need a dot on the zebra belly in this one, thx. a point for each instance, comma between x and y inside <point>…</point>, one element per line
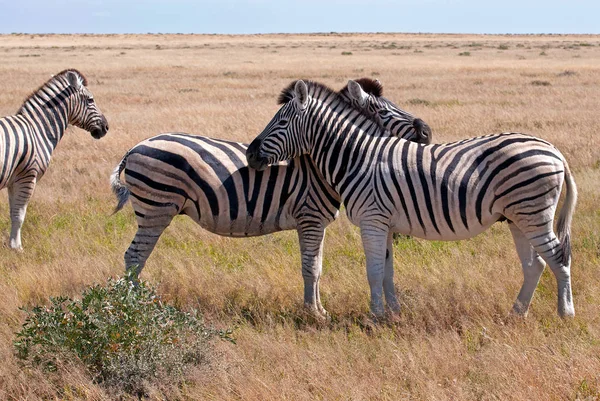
<point>245,226</point>
<point>445,234</point>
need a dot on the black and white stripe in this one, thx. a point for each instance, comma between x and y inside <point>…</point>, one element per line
<point>28,138</point>
<point>209,180</point>
<point>444,192</point>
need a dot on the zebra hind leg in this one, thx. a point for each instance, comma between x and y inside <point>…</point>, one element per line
<point>533,267</point>
<point>150,228</point>
<point>19,194</point>
<point>549,248</point>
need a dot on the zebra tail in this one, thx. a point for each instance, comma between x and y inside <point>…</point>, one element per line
<point>565,216</point>
<point>119,189</point>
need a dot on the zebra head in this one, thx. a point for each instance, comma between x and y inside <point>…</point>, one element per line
<point>83,111</point>
<point>282,138</point>
<point>366,95</point>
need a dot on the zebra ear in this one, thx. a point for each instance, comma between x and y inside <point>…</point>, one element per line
<point>357,93</point>
<point>74,80</point>
<point>301,94</point>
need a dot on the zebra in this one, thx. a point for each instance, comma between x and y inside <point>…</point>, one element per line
<point>28,138</point>
<point>208,180</point>
<point>447,191</point>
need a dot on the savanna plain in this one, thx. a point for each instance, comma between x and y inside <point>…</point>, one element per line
<point>454,338</point>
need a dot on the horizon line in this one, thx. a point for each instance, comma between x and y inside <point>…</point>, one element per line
<point>301,33</point>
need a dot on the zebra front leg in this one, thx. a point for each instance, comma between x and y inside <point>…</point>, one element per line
<point>533,267</point>
<point>19,194</point>
<point>375,240</point>
<point>388,279</point>
<point>311,239</point>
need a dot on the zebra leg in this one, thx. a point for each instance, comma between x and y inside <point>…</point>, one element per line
<point>19,194</point>
<point>388,278</point>
<point>150,228</point>
<point>533,266</point>
<point>549,248</point>
<point>375,240</point>
<point>311,248</point>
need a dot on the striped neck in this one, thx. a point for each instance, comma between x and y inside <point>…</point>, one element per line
<point>49,109</point>
<point>336,133</point>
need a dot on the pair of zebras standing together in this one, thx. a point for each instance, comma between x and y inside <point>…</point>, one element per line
<point>353,146</point>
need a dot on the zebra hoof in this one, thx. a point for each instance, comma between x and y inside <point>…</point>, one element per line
<point>567,312</point>
<point>16,247</point>
<point>519,309</point>
<point>317,313</point>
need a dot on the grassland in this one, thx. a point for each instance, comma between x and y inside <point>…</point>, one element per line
<point>454,339</point>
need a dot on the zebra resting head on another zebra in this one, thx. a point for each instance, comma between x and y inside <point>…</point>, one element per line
<point>28,138</point>
<point>367,94</point>
<point>448,191</point>
<point>209,180</point>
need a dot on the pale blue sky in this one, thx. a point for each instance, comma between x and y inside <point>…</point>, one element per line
<point>271,16</point>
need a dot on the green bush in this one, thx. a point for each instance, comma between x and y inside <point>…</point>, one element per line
<point>124,334</point>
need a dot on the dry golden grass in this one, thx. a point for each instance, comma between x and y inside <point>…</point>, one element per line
<point>453,341</point>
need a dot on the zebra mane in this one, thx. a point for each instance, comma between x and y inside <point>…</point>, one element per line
<point>371,86</point>
<point>55,77</point>
<point>287,93</point>
<point>322,91</point>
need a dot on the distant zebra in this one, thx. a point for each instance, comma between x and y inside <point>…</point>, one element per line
<point>440,192</point>
<point>28,138</point>
<point>209,180</point>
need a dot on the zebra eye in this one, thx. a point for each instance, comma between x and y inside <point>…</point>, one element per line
<point>90,100</point>
<point>283,123</point>
<point>385,114</point>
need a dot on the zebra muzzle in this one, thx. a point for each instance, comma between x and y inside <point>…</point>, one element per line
<point>423,131</point>
<point>99,130</point>
<point>255,160</point>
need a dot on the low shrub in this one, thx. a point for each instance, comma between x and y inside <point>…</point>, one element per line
<point>124,334</point>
